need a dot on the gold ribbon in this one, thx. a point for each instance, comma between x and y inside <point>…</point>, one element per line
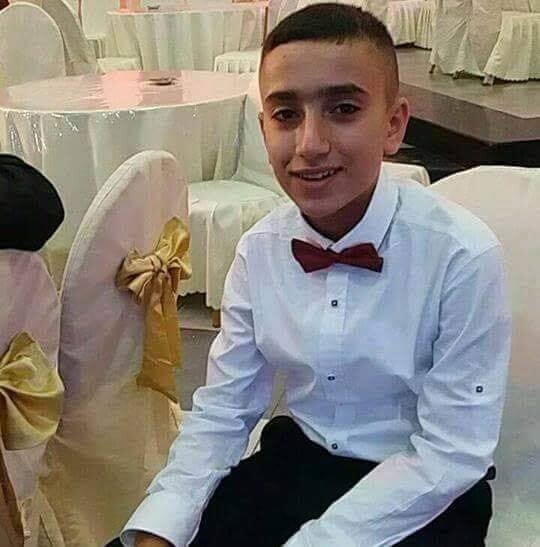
<point>154,280</point>
<point>30,405</point>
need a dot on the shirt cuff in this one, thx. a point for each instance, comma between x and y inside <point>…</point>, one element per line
<point>163,514</point>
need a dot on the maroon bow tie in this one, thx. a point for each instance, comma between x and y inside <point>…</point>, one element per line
<point>313,258</point>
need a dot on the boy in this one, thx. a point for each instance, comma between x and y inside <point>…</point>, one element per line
<point>385,305</point>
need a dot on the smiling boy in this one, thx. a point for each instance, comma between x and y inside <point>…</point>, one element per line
<point>384,304</point>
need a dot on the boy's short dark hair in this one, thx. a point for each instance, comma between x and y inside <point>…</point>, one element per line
<point>337,23</point>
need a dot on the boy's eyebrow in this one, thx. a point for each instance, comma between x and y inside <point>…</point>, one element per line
<point>324,92</point>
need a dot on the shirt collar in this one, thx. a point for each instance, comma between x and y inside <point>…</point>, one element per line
<point>371,229</point>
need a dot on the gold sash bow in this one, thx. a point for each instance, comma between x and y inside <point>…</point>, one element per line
<point>154,280</point>
<point>30,405</point>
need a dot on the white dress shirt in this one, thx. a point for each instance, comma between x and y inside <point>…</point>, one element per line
<point>406,367</point>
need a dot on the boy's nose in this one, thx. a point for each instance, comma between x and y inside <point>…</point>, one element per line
<point>312,137</point>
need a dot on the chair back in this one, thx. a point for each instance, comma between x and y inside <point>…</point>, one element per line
<point>507,199</point>
<point>79,54</point>
<point>94,17</point>
<point>29,303</point>
<point>114,436</point>
<point>31,46</point>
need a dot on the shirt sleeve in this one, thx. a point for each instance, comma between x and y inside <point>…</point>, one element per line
<point>215,434</point>
<point>459,411</point>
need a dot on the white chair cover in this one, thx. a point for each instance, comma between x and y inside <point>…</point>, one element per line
<point>424,25</point>
<point>402,20</point>
<point>248,60</point>
<point>465,32</point>
<point>114,436</point>
<point>508,200</point>
<point>28,302</point>
<point>222,210</point>
<point>94,17</point>
<point>31,46</point>
<point>516,55</point>
<point>238,62</point>
<point>80,56</point>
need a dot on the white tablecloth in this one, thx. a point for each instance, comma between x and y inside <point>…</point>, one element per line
<point>188,36</point>
<point>78,130</point>
<point>516,55</point>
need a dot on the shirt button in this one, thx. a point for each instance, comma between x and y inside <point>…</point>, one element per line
<point>334,446</point>
<point>334,303</point>
<point>331,377</point>
<point>479,389</point>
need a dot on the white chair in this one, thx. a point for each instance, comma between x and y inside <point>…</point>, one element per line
<point>248,60</point>
<point>114,436</point>
<point>507,199</point>
<point>79,53</point>
<point>222,210</point>
<point>402,20</point>
<point>28,302</point>
<point>424,25</point>
<point>516,53</point>
<point>31,46</point>
<point>465,32</point>
<point>94,21</point>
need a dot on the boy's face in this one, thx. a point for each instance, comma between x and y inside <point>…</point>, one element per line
<point>327,122</point>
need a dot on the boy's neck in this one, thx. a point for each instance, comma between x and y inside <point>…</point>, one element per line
<point>340,223</point>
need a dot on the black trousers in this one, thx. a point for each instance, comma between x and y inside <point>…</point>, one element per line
<point>268,496</point>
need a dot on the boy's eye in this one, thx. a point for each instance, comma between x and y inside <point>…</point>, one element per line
<point>284,115</point>
<point>346,108</point>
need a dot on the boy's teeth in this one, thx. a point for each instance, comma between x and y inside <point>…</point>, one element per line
<point>319,176</point>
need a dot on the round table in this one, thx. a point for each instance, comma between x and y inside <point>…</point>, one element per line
<point>185,36</point>
<point>77,130</point>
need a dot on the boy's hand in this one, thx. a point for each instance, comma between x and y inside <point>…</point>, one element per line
<point>142,539</point>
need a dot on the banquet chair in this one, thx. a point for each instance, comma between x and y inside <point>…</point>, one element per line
<point>79,53</point>
<point>248,60</point>
<point>29,304</point>
<point>115,432</point>
<point>516,54</point>
<point>424,25</point>
<point>94,22</point>
<point>402,20</point>
<point>464,34</point>
<point>222,210</point>
<point>507,199</point>
<point>30,45</point>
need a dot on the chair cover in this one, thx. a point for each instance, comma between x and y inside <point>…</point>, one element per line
<point>508,200</point>
<point>31,46</point>
<point>29,302</point>
<point>94,17</point>
<point>424,25</point>
<point>222,210</point>
<point>516,55</point>
<point>465,32</point>
<point>79,54</point>
<point>402,20</point>
<point>238,62</point>
<point>114,436</point>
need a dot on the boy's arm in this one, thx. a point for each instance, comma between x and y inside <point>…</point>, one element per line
<point>459,411</point>
<point>215,434</point>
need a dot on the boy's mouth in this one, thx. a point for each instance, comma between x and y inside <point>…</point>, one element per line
<point>316,174</point>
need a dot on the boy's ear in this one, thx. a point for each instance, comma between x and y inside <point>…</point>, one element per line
<point>397,125</point>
